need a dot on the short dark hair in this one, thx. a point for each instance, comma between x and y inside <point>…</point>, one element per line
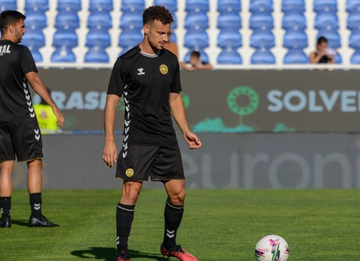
<point>321,40</point>
<point>10,17</point>
<point>159,13</point>
<point>195,54</point>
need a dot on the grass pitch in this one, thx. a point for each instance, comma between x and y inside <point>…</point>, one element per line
<point>218,225</point>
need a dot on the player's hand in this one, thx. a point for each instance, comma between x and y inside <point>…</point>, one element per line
<point>110,154</point>
<point>60,117</point>
<point>193,140</point>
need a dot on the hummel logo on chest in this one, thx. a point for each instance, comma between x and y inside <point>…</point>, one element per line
<point>141,71</point>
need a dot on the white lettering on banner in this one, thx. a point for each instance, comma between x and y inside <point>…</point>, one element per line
<point>92,100</point>
<point>321,161</point>
<point>314,101</point>
<point>309,172</point>
<point>348,101</point>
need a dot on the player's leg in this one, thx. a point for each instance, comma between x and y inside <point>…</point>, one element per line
<point>125,216</point>
<point>174,210</point>
<point>6,170</point>
<point>37,219</point>
<point>7,159</point>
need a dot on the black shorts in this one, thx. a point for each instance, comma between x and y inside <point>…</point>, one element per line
<point>140,162</point>
<point>21,138</point>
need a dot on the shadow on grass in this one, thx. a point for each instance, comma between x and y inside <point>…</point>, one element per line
<point>108,254</point>
<point>20,222</point>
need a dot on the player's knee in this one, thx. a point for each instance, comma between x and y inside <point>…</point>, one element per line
<point>130,196</point>
<point>178,198</point>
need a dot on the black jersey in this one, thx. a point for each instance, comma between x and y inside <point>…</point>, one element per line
<point>146,81</point>
<point>15,99</point>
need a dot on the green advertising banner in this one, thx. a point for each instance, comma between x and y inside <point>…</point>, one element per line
<point>226,101</point>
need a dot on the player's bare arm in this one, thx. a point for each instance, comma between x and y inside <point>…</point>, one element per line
<point>110,151</point>
<point>178,111</point>
<point>38,86</point>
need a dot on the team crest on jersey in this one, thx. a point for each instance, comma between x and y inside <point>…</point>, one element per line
<point>164,69</point>
<point>129,172</point>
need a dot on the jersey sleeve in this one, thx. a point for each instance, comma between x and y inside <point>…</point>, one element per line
<point>176,86</point>
<point>27,61</point>
<point>117,79</point>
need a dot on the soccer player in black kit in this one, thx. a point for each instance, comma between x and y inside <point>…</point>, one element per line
<point>148,77</point>
<point>20,136</point>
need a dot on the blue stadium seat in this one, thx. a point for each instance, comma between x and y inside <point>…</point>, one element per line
<point>196,39</point>
<point>261,6</point>
<point>293,5</point>
<point>100,38</point>
<point>262,39</point>
<point>99,20</point>
<point>173,37</point>
<point>133,6</point>
<point>96,55</point>
<point>229,20</point>
<point>175,23</point>
<point>101,5</point>
<point>354,40</point>
<point>353,6</point>
<point>229,56</point>
<point>69,5</point>
<point>196,20</point>
<point>36,54</point>
<point>130,38</point>
<point>34,38</point>
<point>8,5</point>
<point>261,21</point>
<point>325,6</point>
<point>171,5</point>
<point>36,20</point>
<point>295,39</point>
<point>332,36</point>
<point>197,6</point>
<point>65,38</point>
<point>63,55</point>
<point>229,38</point>
<point>229,6</point>
<point>263,56</point>
<point>353,21</point>
<point>338,59</point>
<point>293,21</point>
<point>203,56</point>
<point>67,20</point>
<point>296,56</point>
<point>355,58</point>
<point>37,5</point>
<point>326,20</point>
<point>131,20</point>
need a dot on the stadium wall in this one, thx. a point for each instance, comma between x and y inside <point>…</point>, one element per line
<point>270,161</point>
<point>261,129</point>
<point>227,101</point>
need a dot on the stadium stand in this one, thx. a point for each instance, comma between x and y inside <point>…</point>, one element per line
<point>226,32</point>
<point>229,38</point>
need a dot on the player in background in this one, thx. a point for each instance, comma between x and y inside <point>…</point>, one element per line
<point>148,77</point>
<point>20,136</point>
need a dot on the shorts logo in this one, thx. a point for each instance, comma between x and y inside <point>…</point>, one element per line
<point>129,173</point>
<point>164,69</point>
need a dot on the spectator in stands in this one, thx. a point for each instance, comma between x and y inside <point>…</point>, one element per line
<point>195,63</point>
<point>322,54</point>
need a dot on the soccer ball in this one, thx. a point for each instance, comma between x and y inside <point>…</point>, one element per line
<point>272,247</point>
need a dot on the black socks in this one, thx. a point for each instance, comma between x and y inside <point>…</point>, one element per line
<point>35,203</point>
<point>5,205</point>
<point>124,219</point>
<point>173,216</point>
